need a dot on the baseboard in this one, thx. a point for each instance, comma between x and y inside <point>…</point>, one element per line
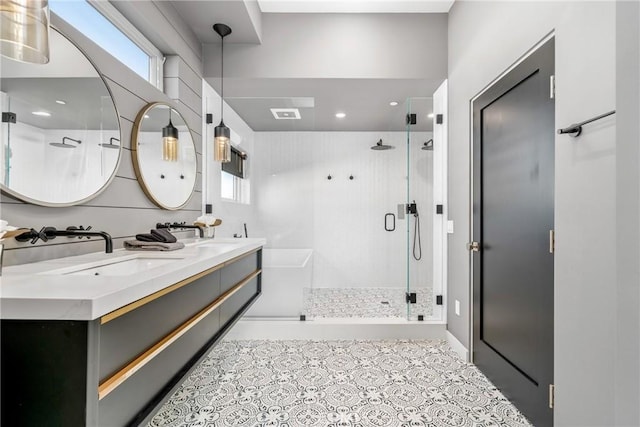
<point>457,346</point>
<point>333,330</point>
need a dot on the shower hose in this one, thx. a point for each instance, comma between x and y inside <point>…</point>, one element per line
<point>417,243</point>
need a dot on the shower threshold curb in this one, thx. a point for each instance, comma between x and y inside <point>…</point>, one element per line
<point>337,329</point>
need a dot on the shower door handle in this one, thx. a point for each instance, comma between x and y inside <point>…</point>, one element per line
<point>386,222</point>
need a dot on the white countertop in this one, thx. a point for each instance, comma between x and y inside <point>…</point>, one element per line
<point>42,291</point>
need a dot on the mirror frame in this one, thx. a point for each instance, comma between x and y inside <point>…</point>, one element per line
<point>135,160</point>
<point>6,190</point>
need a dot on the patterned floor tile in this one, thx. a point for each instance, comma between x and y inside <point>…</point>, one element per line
<point>367,303</point>
<point>336,384</point>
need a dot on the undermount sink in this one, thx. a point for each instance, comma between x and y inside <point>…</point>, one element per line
<point>117,267</point>
<point>217,244</point>
<point>214,243</point>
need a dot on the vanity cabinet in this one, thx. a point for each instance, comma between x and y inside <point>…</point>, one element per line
<point>116,369</point>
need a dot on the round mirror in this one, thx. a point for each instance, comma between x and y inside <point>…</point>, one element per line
<point>60,129</point>
<point>164,156</point>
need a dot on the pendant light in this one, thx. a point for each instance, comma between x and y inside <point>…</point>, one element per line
<point>24,30</point>
<point>221,133</point>
<point>170,142</point>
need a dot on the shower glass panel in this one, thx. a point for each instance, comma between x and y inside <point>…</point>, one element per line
<point>287,173</point>
<point>419,198</point>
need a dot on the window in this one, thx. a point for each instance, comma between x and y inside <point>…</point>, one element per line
<point>234,183</point>
<point>110,30</point>
<point>236,166</point>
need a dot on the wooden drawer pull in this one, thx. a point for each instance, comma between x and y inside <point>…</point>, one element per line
<point>111,383</point>
<point>154,296</point>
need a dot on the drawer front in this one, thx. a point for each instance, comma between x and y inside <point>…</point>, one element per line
<point>238,300</point>
<point>120,406</point>
<point>236,272</point>
<point>124,338</point>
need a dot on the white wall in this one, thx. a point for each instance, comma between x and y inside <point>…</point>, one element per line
<point>233,214</point>
<point>627,352</point>
<point>485,38</point>
<point>342,220</point>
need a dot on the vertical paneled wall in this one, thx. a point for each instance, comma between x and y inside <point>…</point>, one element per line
<point>343,219</point>
<point>122,209</point>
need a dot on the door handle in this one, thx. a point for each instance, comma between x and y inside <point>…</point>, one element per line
<point>386,224</point>
<point>474,246</point>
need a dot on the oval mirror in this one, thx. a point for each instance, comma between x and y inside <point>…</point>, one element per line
<point>164,156</point>
<point>60,128</point>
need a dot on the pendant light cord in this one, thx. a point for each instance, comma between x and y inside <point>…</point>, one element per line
<point>222,81</point>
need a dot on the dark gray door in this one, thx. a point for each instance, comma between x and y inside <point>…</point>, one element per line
<point>513,171</point>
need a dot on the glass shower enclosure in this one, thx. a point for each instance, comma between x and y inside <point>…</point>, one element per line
<point>379,264</point>
<point>349,219</point>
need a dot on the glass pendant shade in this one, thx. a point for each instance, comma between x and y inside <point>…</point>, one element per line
<point>222,143</point>
<point>170,143</point>
<point>221,133</point>
<point>24,30</point>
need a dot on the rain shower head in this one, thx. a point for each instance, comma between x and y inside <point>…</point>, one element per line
<point>63,144</point>
<point>110,144</point>
<point>380,146</point>
<point>428,146</point>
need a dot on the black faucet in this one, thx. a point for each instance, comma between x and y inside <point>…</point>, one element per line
<point>182,225</point>
<point>48,233</point>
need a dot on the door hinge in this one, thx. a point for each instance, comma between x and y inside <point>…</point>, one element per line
<point>411,298</point>
<point>439,209</point>
<point>552,241</point>
<point>412,119</point>
<point>552,87</point>
<point>552,395</point>
<point>439,119</point>
<point>8,117</point>
<point>474,247</point>
<point>438,299</point>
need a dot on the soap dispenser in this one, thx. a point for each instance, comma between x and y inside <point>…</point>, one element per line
<point>209,219</point>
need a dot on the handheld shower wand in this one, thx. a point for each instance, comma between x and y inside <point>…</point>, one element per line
<point>417,241</point>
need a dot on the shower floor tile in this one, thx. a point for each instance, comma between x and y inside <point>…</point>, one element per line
<point>336,383</point>
<point>325,303</point>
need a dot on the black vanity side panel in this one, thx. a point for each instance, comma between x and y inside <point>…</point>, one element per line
<point>44,373</point>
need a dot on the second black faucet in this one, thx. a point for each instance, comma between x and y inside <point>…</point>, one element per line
<point>182,225</point>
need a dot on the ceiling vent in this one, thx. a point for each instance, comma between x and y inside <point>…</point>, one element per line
<point>285,113</point>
